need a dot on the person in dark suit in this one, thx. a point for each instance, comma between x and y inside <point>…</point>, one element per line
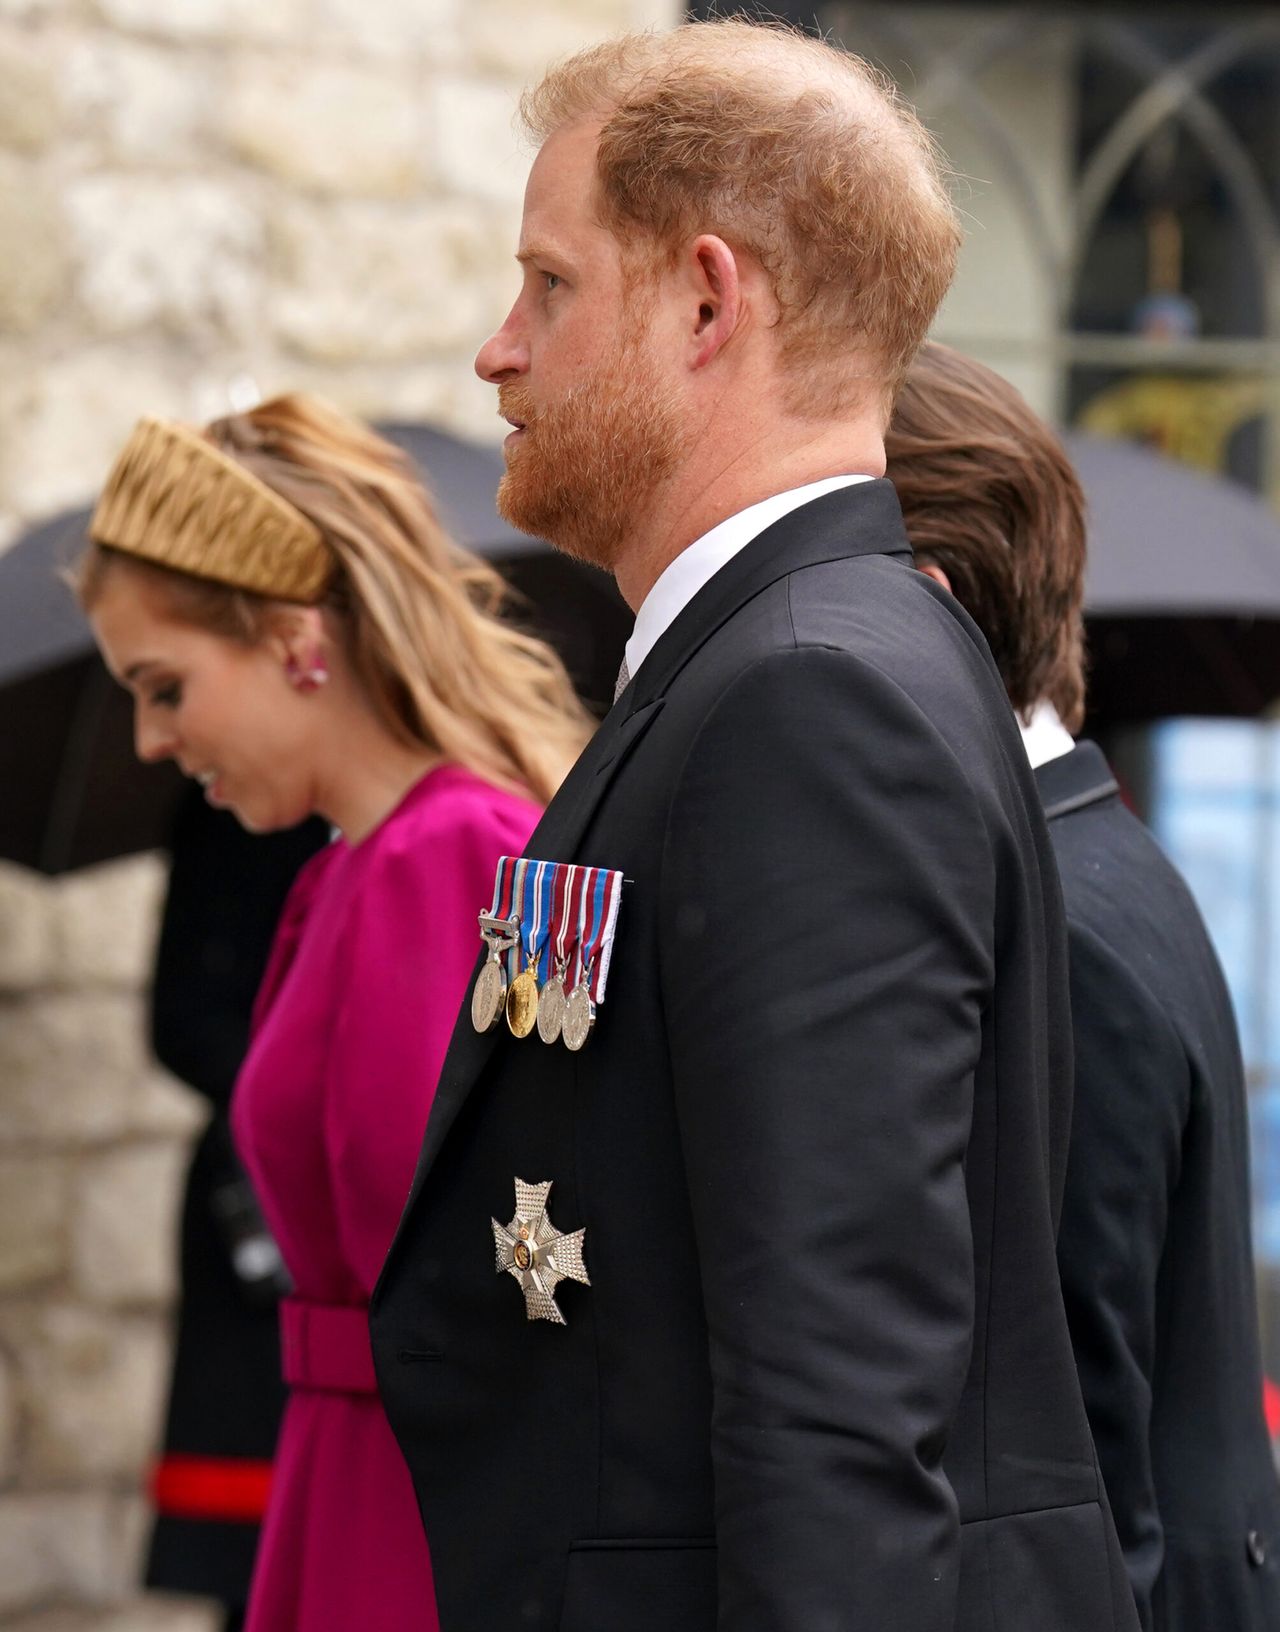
<point>209,1487</point>
<point>820,1379</point>
<point>1154,1247</point>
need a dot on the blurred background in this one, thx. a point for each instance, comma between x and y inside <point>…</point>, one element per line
<point>202,201</point>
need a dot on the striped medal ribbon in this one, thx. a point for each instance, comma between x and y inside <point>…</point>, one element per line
<point>500,932</point>
<point>566,890</point>
<point>597,924</point>
<point>522,994</point>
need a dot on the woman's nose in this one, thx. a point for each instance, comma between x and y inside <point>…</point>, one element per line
<point>153,738</point>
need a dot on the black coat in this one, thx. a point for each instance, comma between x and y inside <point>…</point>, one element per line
<point>821,1380</point>
<point>226,890</point>
<point>1157,1267</point>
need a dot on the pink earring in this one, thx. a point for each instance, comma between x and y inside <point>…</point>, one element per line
<point>310,678</point>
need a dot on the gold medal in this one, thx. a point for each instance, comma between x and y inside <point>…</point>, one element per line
<point>522,1002</point>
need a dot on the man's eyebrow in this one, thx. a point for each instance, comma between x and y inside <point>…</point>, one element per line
<point>537,252</point>
<point>136,669</point>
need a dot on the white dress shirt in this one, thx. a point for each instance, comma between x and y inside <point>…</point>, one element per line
<point>699,563</point>
<point>1044,736</point>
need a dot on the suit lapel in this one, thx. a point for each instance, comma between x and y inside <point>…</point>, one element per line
<point>555,838</point>
<point>861,520</point>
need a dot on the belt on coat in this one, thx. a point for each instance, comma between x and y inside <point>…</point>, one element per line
<point>325,1346</point>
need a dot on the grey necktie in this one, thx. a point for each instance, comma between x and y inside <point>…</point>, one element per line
<point>623,680</point>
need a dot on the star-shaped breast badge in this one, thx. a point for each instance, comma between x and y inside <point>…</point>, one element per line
<point>535,1252</point>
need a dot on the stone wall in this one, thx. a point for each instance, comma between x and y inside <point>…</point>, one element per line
<point>197,197</point>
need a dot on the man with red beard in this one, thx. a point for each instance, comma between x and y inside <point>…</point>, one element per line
<point>795,1357</point>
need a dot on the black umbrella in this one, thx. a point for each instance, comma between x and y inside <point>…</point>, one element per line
<point>1182,595</point>
<point>71,790</point>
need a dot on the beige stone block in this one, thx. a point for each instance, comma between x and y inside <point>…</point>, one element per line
<point>474,145</point>
<point>70,1066</point>
<point>61,426</point>
<point>125,1229</point>
<point>33,1208</point>
<point>55,1544</point>
<point>195,20</point>
<point>154,1612</point>
<point>390,28</point>
<point>339,128</point>
<point>163,1107</point>
<point>92,1388</point>
<point>27,905</point>
<point>106,922</point>
<point>378,282</point>
<point>136,102</point>
<point>31,104</point>
<point>33,283</point>
<point>180,252</point>
<point>8,1421</point>
<point>500,40</point>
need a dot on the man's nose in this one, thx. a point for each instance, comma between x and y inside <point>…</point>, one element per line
<point>504,354</point>
<point>153,739</point>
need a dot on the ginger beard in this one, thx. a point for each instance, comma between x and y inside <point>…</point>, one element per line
<point>588,465</point>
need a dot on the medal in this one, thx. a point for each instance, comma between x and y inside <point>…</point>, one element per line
<point>500,931</point>
<point>598,919</point>
<point>579,1017</point>
<point>535,1253</point>
<point>551,1000</point>
<point>522,997</point>
<point>551,1007</point>
<point>562,917</point>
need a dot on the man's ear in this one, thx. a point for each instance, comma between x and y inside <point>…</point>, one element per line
<point>936,573</point>
<point>712,276</point>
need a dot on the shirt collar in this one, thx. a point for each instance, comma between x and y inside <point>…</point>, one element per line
<point>1044,736</point>
<point>696,565</point>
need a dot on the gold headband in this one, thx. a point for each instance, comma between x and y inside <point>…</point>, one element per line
<point>176,499</point>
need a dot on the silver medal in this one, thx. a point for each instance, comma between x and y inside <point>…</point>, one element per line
<point>551,1007</point>
<point>579,1018</point>
<point>489,994</point>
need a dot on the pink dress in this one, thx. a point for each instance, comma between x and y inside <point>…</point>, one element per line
<point>369,967</point>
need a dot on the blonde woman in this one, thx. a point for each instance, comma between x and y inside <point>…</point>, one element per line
<point>300,636</point>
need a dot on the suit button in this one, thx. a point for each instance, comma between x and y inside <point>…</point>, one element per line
<point>1256,1549</point>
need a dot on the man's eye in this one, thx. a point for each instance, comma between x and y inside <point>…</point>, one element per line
<point>168,696</point>
<point>552,280</point>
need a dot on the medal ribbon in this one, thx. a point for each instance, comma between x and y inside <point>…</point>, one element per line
<point>535,914</point>
<point>582,890</point>
<point>502,891</point>
<point>561,888</point>
<point>519,874</point>
<point>601,950</point>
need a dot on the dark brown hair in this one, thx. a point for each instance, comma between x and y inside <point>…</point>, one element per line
<point>990,496</point>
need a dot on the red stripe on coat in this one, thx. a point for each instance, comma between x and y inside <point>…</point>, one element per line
<point>207,1487</point>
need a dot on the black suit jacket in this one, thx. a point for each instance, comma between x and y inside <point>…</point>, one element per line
<point>821,1380</point>
<point>1154,1250</point>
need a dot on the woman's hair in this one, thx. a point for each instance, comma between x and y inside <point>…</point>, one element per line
<point>989,495</point>
<point>418,617</point>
